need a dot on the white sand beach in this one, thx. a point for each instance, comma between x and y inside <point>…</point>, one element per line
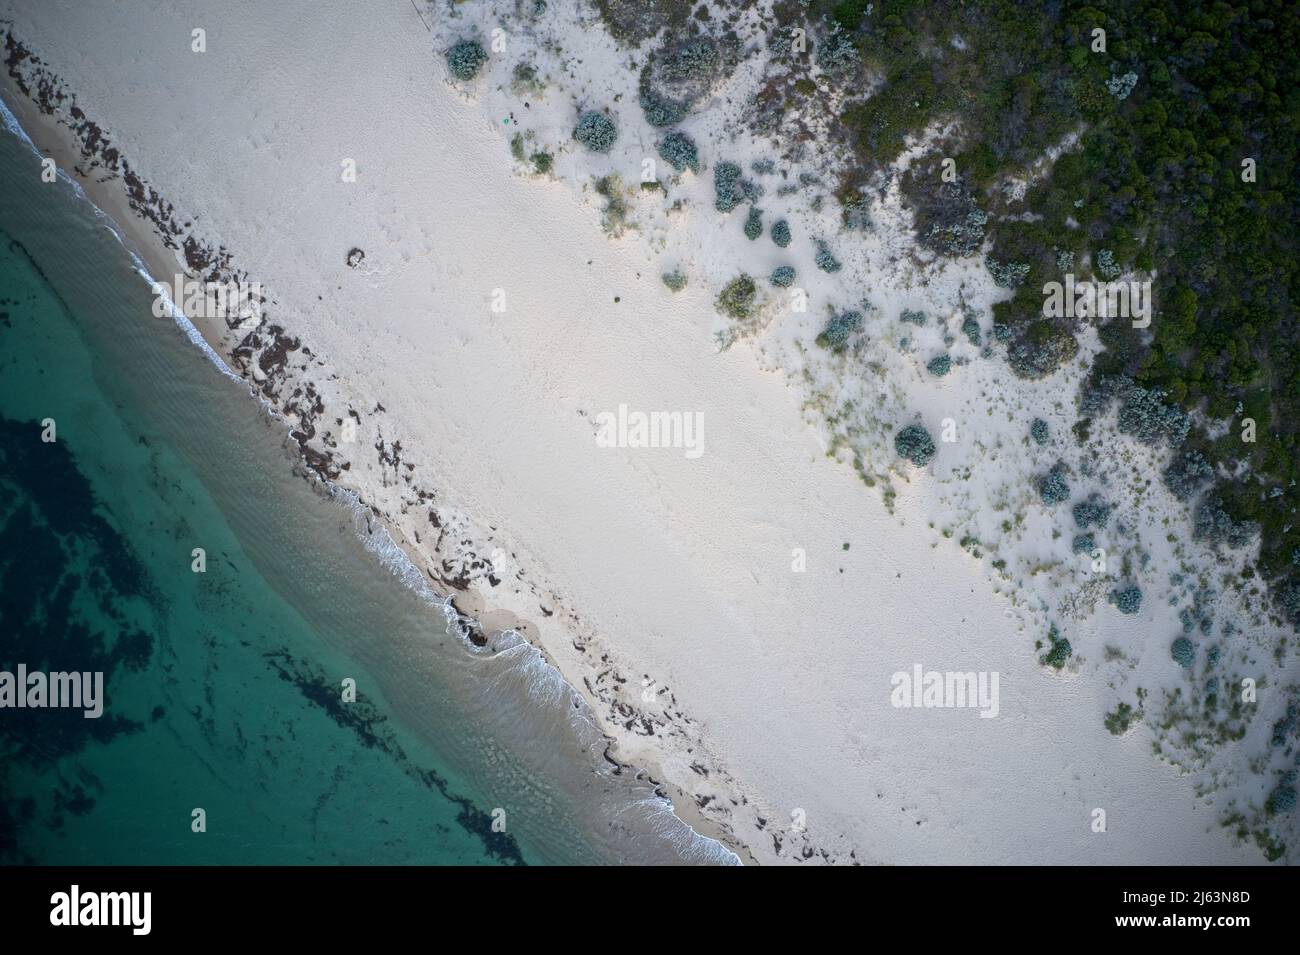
<point>664,586</point>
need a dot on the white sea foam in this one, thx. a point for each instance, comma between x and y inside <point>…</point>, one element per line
<point>181,319</point>
<point>545,687</point>
<point>15,127</point>
<point>178,316</point>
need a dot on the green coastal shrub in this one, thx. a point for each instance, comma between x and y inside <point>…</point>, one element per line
<point>950,223</point>
<point>1008,274</point>
<point>596,132</point>
<point>1285,727</point>
<point>697,58</point>
<point>1035,350</point>
<point>524,79</point>
<point>680,152</point>
<point>1121,86</point>
<point>1040,432</point>
<point>1091,511</point>
<point>781,233</point>
<point>753,224</point>
<point>1283,798</point>
<point>610,187</point>
<point>1183,651</point>
<point>783,276</point>
<point>675,280</point>
<point>1059,650</point>
<point>1288,598</point>
<point>825,260</point>
<point>1188,474</point>
<point>737,297</point>
<point>1119,721</point>
<point>1127,599</point>
<point>1106,267</point>
<point>836,54</point>
<point>1052,486</point>
<point>915,444</point>
<point>730,190</point>
<point>1146,414</point>
<point>839,329</point>
<point>660,110</point>
<point>1211,522</point>
<point>466,58</point>
<point>856,211</point>
<point>939,365</point>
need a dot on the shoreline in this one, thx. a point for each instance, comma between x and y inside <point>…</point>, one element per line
<point>606,704</point>
<point>464,610</point>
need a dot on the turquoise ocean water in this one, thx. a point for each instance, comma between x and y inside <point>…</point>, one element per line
<point>224,689</point>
